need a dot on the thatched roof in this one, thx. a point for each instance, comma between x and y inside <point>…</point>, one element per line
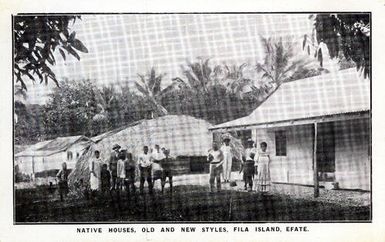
<point>182,135</point>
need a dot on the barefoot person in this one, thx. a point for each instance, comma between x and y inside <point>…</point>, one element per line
<point>105,180</point>
<point>167,169</point>
<point>248,165</point>
<point>157,159</point>
<point>144,161</point>
<point>130,168</point>
<point>121,172</point>
<point>215,158</point>
<point>263,161</point>
<point>114,164</point>
<point>227,159</point>
<point>62,177</point>
<point>95,169</point>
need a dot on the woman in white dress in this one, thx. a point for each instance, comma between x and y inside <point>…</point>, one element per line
<point>95,168</point>
<point>263,162</point>
<point>227,159</point>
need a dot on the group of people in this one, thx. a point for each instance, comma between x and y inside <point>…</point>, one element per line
<point>255,165</point>
<point>121,170</point>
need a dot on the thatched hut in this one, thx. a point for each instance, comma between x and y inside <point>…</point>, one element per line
<point>187,138</point>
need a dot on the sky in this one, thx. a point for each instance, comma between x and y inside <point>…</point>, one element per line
<point>121,46</point>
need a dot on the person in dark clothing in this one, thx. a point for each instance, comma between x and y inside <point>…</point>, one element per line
<point>114,165</point>
<point>105,178</point>
<point>167,169</point>
<point>62,177</point>
<point>130,169</point>
<point>248,165</point>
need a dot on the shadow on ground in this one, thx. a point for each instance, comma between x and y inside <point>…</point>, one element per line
<point>185,203</point>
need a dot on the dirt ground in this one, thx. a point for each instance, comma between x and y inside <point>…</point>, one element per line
<point>195,203</point>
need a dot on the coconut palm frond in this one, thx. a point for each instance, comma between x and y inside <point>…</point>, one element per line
<point>156,89</point>
<point>142,89</point>
<point>150,87</point>
<point>151,79</point>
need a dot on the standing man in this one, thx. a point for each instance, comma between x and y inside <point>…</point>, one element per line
<point>145,162</point>
<point>215,158</point>
<point>227,159</point>
<point>114,164</point>
<point>167,169</point>
<point>62,177</point>
<point>248,165</point>
<point>157,159</point>
<point>130,168</point>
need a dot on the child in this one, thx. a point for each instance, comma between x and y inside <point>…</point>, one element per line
<point>105,179</point>
<point>62,177</point>
<point>263,161</point>
<point>130,168</point>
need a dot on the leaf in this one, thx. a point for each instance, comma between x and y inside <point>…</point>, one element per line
<point>141,89</point>
<point>72,36</point>
<point>73,52</point>
<point>304,42</point>
<point>30,76</point>
<point>320,58</point>
<point>62,54</point>
<point>79,46</point>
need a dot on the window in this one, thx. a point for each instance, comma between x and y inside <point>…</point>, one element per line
<point>280,143</point>
<point>77,154</point>
<point>69,155</point>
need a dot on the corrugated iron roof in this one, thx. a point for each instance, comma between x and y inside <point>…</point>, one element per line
<point>341,92</point>
<point>63,143</point>
<point>49,147</point>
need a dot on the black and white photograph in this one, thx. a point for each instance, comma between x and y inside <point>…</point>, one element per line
<point>204,117</point>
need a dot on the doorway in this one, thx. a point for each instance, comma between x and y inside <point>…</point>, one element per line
<point>326,151</point>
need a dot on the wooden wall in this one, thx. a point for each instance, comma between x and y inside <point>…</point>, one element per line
<point>351,158</point>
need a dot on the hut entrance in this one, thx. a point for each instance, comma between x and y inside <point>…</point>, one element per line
<point>326,151</point>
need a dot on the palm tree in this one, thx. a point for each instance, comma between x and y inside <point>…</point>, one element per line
<point>104,98</point>
<point>280,64</point>
<point>150,87</point>
<point>199,76</point>
<point>233,78</point>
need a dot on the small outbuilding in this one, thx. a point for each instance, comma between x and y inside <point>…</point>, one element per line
<point>50,154</point>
